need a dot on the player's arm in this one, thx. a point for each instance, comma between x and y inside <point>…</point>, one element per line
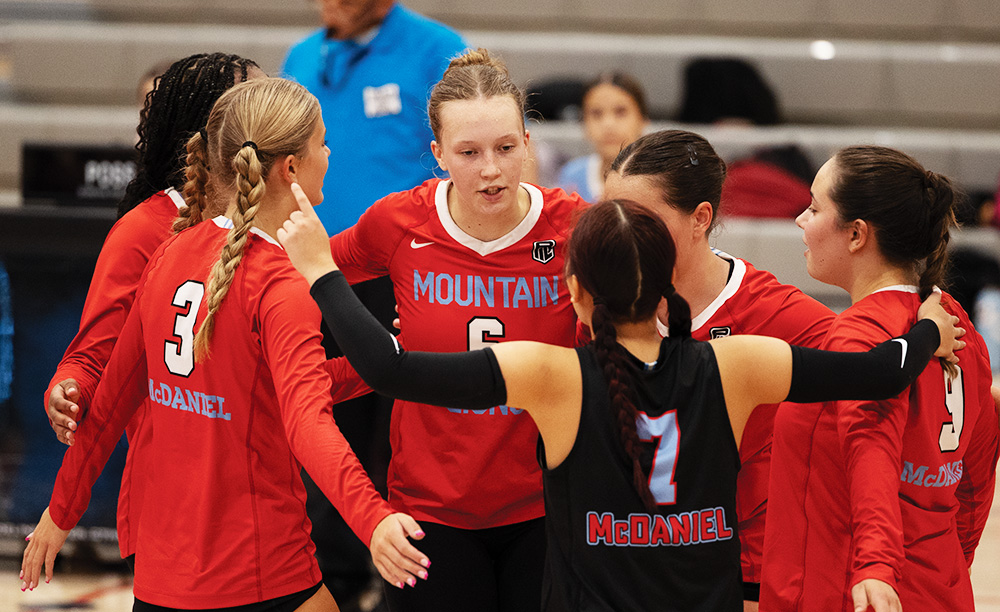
<point>291,344</point>
<point>117,274</point>
<point>120,393</point>
<point>976,488</point>
<point>758,370</point>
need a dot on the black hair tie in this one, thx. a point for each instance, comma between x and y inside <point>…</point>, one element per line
<point>249,143</point>
<point>204,134</point>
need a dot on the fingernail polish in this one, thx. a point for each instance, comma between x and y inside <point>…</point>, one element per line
<point>21,575</point>
<point>422,574</point>
<point>411,581</point>
<point>425,562</point>
<point>419,534</point>
<point>23,587</point>
<point>399,585</point>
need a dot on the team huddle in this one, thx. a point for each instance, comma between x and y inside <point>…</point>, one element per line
<point>594,409</point>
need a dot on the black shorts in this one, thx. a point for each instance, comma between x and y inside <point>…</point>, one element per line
<point>498,569</point>
<point>285,603</point>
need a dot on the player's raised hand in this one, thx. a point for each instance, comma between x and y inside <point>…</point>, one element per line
<point>395,558</point>
<point>63,409</point>
<point>947,326</point>
<point>305,239</point>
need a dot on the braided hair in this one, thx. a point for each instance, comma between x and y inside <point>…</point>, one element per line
<point>623,256</point>
<point>251,126</point>
<point>177,107</point>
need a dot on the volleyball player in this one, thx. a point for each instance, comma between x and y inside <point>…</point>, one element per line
<point>177,107</point>
<point>678,175</point>
<point>474,260</point>
<point>896,494</point>
<point>235,408</point>
<point>639,432</point>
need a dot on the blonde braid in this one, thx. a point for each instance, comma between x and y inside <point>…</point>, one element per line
<point>250,193</point>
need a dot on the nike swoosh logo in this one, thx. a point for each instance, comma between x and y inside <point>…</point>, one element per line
<point>419,245</point>
<point>902,360</point>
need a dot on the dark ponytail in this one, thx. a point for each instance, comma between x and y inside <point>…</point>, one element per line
<point>623,256</point>
<point>911,210</point>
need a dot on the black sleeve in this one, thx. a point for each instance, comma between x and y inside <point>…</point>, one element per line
<point>878,374</point>
<point>470,380</point>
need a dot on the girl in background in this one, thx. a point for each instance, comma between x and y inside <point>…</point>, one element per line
<point>614,114</point>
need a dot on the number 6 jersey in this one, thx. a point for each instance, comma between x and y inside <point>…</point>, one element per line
<point>468,469</point>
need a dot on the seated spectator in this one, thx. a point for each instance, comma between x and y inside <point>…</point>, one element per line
<point>614,114</point>
<point>772,182</point>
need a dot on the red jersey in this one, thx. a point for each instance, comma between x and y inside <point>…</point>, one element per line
<point>468,469</point>
<point>754,302</point>
<point>901,498</point>
<point>227,435</point>
<point>127,249</point>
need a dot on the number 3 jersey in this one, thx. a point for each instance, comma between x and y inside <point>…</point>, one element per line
<point>902,498</point>
<point>224,521</point>
<point>471,469</point>
<point>606,551</point>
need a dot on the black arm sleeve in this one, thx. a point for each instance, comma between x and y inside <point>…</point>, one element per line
<point>878,374</point>
<point>470,380</point>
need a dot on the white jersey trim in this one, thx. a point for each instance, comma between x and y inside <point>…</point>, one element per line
<point>177,198</point>
<point>732,286</point>
<point>226,223</point>
<point>485,248</point>
<point>903,288</point>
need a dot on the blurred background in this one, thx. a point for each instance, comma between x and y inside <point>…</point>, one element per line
<point>919,75</point>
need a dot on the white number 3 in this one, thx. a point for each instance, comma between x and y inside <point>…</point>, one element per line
<point>179,355</point>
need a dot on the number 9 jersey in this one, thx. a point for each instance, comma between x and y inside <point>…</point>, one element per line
<point>901,498</point>
<point>468,469</point>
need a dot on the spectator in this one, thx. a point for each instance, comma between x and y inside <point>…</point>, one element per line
<point>614,114</point>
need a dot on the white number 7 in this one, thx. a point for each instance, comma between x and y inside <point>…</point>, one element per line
<point>664,432</point>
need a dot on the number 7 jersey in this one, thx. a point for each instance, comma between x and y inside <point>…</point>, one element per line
<point>468,469</point>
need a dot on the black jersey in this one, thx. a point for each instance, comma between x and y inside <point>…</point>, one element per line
<point>605,551</point>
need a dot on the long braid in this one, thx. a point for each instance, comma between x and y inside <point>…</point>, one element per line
<point>195,189</point>
<point>177,107</point>
<point>250,192</point>
<point>611,358</point>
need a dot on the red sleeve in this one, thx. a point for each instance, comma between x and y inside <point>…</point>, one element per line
<point>291,344</point>
<point>362,252</point>
<point>127,249</point>
<point>347,384</point>
<point>975,489</point>
<point>872,448</point>
<point>121,391</point>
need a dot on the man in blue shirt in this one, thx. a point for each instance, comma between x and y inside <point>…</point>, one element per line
<point>372,66</point>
